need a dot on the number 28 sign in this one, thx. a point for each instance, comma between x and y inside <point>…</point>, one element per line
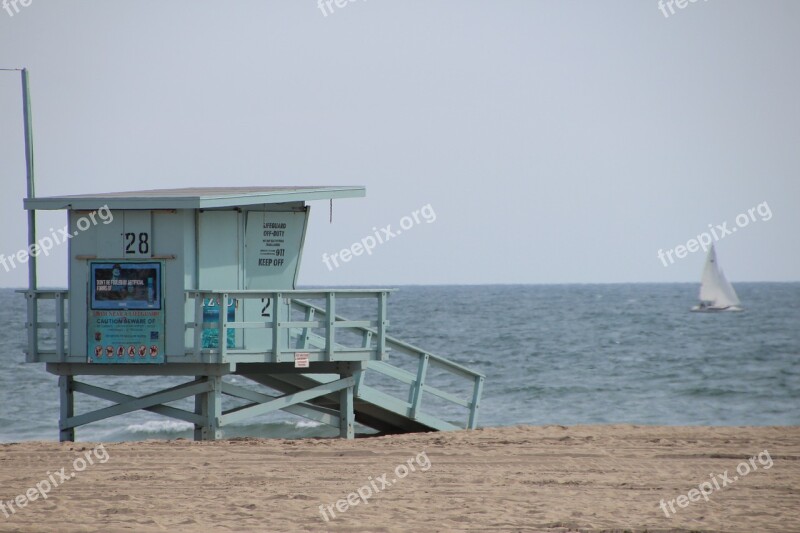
<point>137,243</point>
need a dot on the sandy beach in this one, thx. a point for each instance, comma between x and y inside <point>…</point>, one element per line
<point>552,478</point>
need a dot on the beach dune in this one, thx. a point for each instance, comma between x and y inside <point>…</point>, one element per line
<point>551,478</point>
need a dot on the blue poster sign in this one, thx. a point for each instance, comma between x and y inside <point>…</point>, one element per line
<point>126,316</point>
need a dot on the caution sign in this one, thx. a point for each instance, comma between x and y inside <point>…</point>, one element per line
<point>126,316</point>
<point>301,360</point>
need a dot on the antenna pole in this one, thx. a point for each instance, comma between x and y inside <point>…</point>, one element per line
<point>26,113</point>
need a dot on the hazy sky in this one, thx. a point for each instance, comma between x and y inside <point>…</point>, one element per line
<point>556,141</point>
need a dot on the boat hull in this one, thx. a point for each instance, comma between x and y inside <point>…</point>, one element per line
<point>711,309</point>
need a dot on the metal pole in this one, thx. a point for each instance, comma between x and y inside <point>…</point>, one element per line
<point>26,112</point>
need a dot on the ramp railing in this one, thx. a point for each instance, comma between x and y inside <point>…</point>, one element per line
<point>417,382</point>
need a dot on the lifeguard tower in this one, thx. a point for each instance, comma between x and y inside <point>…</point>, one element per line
<point>202,283</point>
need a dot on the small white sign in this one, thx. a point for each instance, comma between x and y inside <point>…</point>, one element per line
<point>301,360</point>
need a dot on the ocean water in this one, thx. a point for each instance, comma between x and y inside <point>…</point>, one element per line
<point>552,354</point>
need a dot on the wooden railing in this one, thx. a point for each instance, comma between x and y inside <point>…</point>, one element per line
<point>417,386</point>
<point>277,346</point>
<point>34,327</point>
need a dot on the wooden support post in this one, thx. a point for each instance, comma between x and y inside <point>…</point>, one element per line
<point>472,423</point>
<point>60,326</point>
<point>382,324</point>
<point>419,385</point>
<point>199,409</point>
<point>223,329</point>
<point>330,331</point>
<point>67,397</point>
<point>347,417</point>
<point>209,406</point>
<point>277,330</point>
<point>32,325</point>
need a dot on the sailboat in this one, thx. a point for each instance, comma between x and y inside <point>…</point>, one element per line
<point>716,292</point>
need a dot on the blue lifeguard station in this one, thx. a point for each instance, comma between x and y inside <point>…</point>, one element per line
<point>202,283</point>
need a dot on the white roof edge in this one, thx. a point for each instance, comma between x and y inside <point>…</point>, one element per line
<point>214,199</point>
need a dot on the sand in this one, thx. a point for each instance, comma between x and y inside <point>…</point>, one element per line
<point>552,478</point>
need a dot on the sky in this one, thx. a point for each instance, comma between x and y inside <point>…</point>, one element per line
<point>555,141</point>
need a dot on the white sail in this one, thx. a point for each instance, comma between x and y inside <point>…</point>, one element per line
<point>714,287</point>
<point>730,298</point>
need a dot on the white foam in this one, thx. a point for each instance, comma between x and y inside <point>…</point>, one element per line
<point>307,424</point>
<point>160,426</point>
